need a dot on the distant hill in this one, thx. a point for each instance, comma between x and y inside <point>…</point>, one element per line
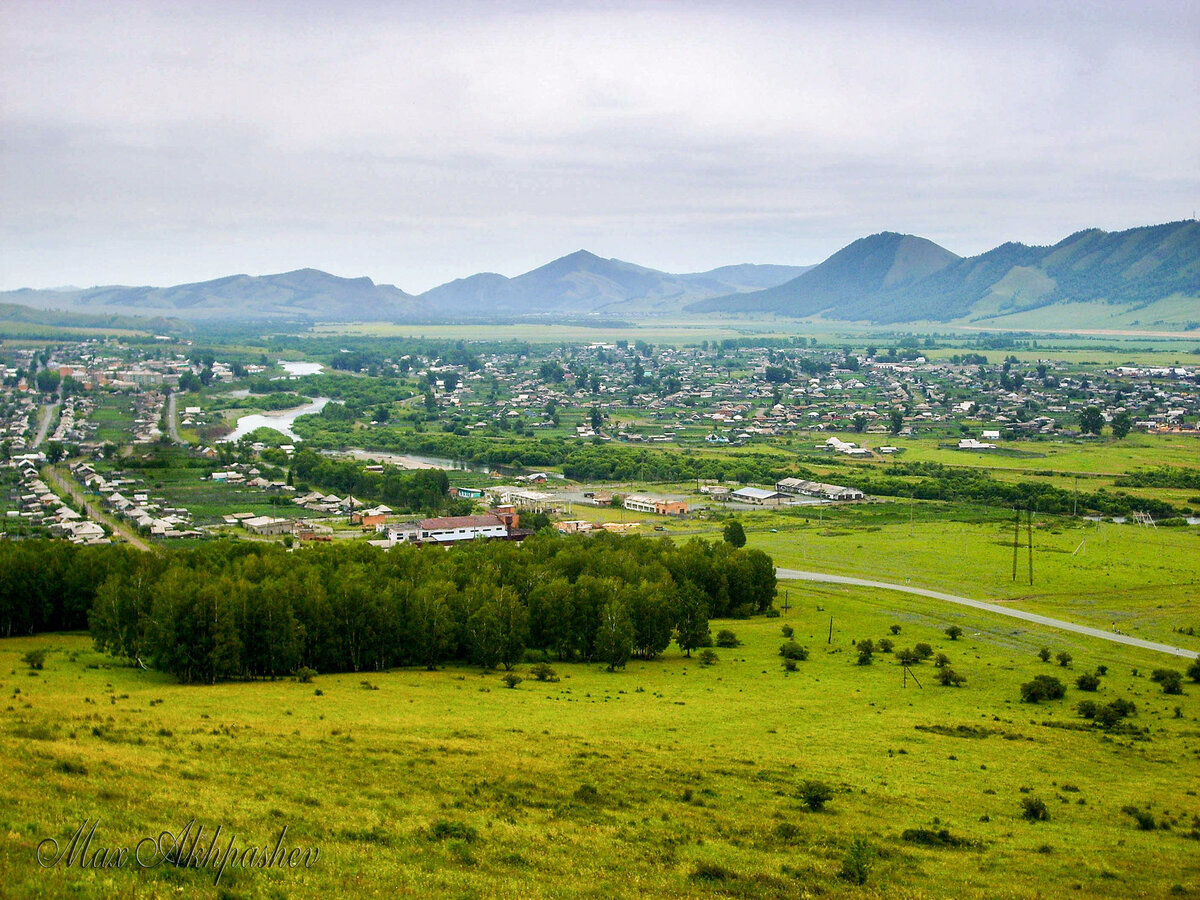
<point>49,319</point>
<point>583,282</point>
<point>1102,278</point>
<point>303,294</point>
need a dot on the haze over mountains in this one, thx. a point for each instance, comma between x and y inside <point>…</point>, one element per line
<point>1093,279</point>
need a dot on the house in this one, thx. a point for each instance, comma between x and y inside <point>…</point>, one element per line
<point>643,503</point>
<point>972,444</point>
<point>466,493</point>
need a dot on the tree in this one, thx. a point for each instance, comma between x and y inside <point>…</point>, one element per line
<point>859,423</point>
<point>896,420</point>
<point>1122,423</point>
<point>1091,420</point>
<point>947,677</point>
<point>954,632</point>
<point>54,451</point>
<point>614,639</point>
<point>691,618</point>
<point>734,534</point>
<point>815,794</point>
<point>513,619</point>
<point>1193,671</point>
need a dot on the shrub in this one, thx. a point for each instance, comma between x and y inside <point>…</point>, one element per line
<point>1033,809</point>
<point>941,660</point>
<point>1112,713</point>
<point>949,678</point>
<point>885,645</point>
<point>895,629</point>
<point>512,679</point>
<point>1143,817</point>
<point>1101,671</point>
<point>305,675</point>
<point>786,831</point>
<point>35,659</point>
<point>954,632</point>
<point>1170,679</point>
<point>709,871</point>
<point>789,665</point>
<point>456,831</point>
<point>927,837</point>
<point>1087,682</point>
<point>1044,654</point>
<point>856,867</point>
<point>587,793</point>
<point>1193,671</point>
<point>923,650</point>
<point>70,768</point>
<point>1064,658</point>
<point>708,658</point>
<point>787,631</point>
<point>1043,687</point>
<point>543,672</point>
<point>792,650</point>
<point>815,794</point>
<point>1087,708</point>
<point>726,638</point>
<point>865,657</point>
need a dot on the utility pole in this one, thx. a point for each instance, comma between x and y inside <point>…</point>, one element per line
<point>1016,539</point>
<point>1030,533</point>
<point>786,605</point>
<point>830,641</point>
<point>911,498</point>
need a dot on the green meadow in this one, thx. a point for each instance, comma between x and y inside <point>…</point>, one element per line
<point>669,778</point>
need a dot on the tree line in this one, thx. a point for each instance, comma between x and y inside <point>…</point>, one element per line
<point>248,610</point>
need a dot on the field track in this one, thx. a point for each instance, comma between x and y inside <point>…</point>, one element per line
<point>798,575</point>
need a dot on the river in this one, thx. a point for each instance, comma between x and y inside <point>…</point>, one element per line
<point>412,460</point>
<point>277,420</point>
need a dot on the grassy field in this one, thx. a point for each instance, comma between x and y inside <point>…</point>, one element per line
<point>209,500</point>
<point>113,416</point>
<point>667,779</point>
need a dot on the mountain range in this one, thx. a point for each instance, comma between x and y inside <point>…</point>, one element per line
<point>1092,276</point>
<point>1138,278</point>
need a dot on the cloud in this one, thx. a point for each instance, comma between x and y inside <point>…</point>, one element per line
<point>167,142</point>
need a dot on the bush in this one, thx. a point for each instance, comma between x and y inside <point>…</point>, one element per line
<point>543,672</point>
<point>35,659</point>
<point>789,665</point>
<point>792,650</point>
<point>856,867</point>
<point>1087,682</point>
<point>1033,809</point>
<point>1111,714</point>
<point>787,631</point>
<point>708,871</point>
<point>954,632</point>
<point>885,645</point>
<point>305,675</point>
<point>1064,658</point>
<point>1143,817</point>
<point>941,661</point>
<point>1193,671</point>
<point>1170,679</point>
<point>895,629</point>
<point>456,831</point>
<point>726,638</point>
<point>1043,687</point>
<point>1087,708</point>
<point>1044,654</point>
<point>512,679</point>
<point>923,650</point>
<point>949,678</point>
<point>708,658</point>
<point>815,794</point>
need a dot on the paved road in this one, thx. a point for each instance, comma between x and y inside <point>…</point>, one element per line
<point>797,575</point>
<point>172,423</point>
<point>64,485</point>
<point>44,426</point>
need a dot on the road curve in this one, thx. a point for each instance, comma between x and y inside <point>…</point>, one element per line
<point>797,575</point>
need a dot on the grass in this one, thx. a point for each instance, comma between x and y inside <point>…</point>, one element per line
<point>667,776</point>
<point>113,416</point>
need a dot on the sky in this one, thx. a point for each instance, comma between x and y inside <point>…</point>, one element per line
<point>167,142</point>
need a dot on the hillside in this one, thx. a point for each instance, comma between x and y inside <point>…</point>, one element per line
<point>1100,276</point>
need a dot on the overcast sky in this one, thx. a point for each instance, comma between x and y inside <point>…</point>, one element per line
<point>157,143</point>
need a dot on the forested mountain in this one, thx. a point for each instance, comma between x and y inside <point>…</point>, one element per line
<point>586,283</point>
<point>888,278</point>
